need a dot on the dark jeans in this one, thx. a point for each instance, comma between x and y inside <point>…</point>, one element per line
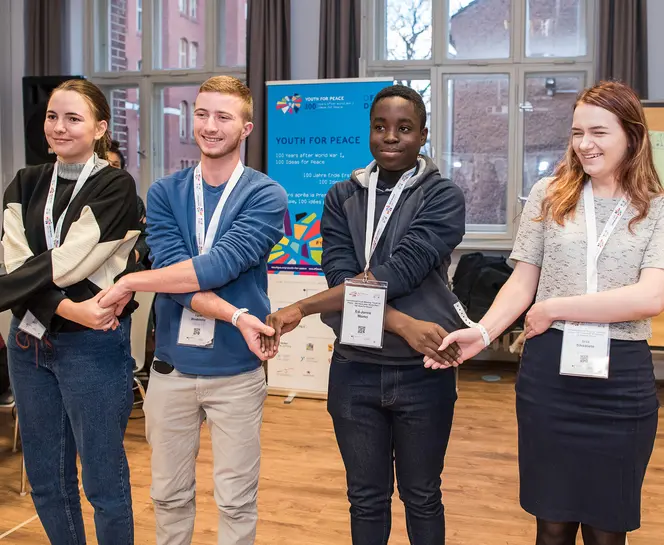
<point>385,417</point>
<point>74,395</point>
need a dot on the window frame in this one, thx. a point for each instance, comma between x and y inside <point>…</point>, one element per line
<point>183,54</point>
<point>193,54</point>
<point>150,79</point>
<point>139,16</point>
<point>183,127</point>
<point>192,109</point>
<point>517,65</point>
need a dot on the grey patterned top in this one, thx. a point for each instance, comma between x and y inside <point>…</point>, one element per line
<point>561,252</point>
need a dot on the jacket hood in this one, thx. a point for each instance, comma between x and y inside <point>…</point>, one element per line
<point>425,167</point>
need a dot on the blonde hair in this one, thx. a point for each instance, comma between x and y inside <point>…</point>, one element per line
<point>99,107</point>
<point>228,85</point>
<point>636,175</point>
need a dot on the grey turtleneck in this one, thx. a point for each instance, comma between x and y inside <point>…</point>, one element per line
<point>71,171</point>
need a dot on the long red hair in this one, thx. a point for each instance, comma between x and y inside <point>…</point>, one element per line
<point>636,174</point>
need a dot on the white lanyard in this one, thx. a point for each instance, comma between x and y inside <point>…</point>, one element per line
<point>372,238</point>
<point>596,245</point>
<point>204,240</point>
<point>53,235</point>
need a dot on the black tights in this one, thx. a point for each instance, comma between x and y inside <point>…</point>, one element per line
<point>564,533</point>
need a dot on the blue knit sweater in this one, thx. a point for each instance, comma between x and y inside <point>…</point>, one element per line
<point>235,268</point>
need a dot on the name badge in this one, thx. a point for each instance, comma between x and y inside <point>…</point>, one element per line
<point>196,330</point>
<point>585,351</point>
<point>32,326</point>
<point>363,318</point>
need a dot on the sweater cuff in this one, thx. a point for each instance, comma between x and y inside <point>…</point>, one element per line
<point>206,279</point>
<point>384,273</point>
<point>44,304</point>
<point>183,299</point>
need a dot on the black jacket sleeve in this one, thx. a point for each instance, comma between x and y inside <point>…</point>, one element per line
<point>437,229</point>
<point>339,261</point>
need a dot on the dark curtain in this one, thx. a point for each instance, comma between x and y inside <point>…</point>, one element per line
<point>44,32</point>
<point>623,43</point>
<point>268,59</point>
<point>339,44</point>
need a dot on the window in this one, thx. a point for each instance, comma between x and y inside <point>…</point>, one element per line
<point>184,112</point>
<point>498,77</point>
<point>158,141</point>
<point>493,17</point>
<point>407,32</point>
<point>183,53</point>
<point>193,54</point>
<point>476,152</point>
<point>191,117</point>
<point>125,116</point>
<point>556,29</point>
<point>119,40</point>
<point>193,8</point>
<point>139,15</point>
<point>232,43</point>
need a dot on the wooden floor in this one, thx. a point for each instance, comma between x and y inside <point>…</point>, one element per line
<point>302,489</point>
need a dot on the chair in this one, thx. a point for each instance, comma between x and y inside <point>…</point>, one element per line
<point>139,327</point>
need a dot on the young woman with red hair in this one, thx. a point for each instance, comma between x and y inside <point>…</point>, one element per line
<point>590,250</point>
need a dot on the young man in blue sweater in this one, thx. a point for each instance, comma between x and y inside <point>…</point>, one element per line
<point>388,235</point>
<point>210,230</point>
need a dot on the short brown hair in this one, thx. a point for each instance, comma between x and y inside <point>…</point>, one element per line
<point>99,107</point>
<point>228,85</point>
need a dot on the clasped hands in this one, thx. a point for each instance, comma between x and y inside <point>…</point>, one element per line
<point>426,338</point>
<point>99,312</point>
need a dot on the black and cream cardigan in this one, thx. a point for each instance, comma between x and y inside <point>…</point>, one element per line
<point>98,235</point>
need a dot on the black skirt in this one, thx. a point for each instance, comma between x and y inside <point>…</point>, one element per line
<point>585,443</point>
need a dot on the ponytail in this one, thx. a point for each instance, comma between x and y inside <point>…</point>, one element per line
<point>103,145</point>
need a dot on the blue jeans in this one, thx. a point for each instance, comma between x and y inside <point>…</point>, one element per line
<point>385,417</point>
<point>73,396</point>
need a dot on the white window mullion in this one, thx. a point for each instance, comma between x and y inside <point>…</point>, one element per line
<point>213,34</point>
<point>378,47</point>
<point>514,170</point>
<point>154,40</point>
<point>90,36</point>
<point>436,124</point>
<point>157,131</point>
<point>440,36</point>
<point>518,31</point>
<point>366,35</point>
<point>146,147</point>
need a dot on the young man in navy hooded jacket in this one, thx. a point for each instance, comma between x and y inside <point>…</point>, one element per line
<point>388,409</point>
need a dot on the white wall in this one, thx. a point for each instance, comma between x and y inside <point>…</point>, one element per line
<point>655,48</point>
<point>305,15</point>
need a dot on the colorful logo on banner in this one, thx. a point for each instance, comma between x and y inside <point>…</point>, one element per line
<point>290,104</point>
<point>301,245</point>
